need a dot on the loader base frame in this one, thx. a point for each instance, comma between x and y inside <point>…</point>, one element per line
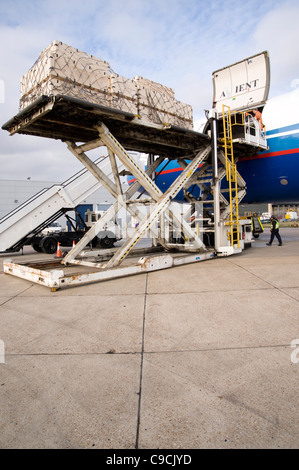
<point>49,273</point>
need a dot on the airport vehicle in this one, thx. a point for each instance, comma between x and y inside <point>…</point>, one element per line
<point>265,217</point>
<point>47,240</point>
<point>54,227</point>
<point>291,215</point>
<point>256,226</point>
<point>24,225</point>
<point>111,232</point>
<point>48,243</point>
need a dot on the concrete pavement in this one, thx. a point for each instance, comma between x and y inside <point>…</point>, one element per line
<point>196,356</point>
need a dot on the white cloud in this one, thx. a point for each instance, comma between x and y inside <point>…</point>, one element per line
<point>279,34</point>
<point>40,158</point>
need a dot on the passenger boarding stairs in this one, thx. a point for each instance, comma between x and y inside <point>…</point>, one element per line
<point>48,205</point>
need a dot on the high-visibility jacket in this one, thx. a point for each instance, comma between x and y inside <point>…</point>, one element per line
<point>275,224</point>
<point>258,117</point>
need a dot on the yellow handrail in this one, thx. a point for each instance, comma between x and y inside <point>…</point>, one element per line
<point>231,174</point>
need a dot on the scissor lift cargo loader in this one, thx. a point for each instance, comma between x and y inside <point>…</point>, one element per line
<point>205,160</point>
<point>88,127</point>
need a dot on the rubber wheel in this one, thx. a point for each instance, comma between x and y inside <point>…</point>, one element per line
<point>107,242</point>
<point>49,245</point>
<point>36,247</point>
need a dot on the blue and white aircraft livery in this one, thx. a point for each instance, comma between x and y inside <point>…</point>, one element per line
<point>273,175</point>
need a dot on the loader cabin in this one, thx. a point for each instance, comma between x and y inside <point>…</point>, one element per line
<point>239,91</point>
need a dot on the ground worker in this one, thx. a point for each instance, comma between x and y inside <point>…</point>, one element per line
<point>258,116</point>
<point>274,231</point>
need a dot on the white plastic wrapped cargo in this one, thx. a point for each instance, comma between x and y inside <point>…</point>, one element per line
<point>157,103</point>
<point>123,93</point>
<point>62,69</point>
<point>157,91</point>
<point>243,85</point>
<point>177,114</point>
<point>183,115</point>
<point>153,97</point>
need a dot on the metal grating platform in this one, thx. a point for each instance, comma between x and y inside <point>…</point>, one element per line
<point>66,118</point>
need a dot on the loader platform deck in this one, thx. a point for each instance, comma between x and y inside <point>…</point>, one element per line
<point>66,118</point>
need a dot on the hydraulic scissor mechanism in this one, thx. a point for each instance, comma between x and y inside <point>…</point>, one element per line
<point>160,207</point>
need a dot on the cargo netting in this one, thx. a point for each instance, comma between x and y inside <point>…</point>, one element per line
<point>64,70</point>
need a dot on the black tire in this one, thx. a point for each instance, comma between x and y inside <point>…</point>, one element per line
<point>49,245</point>
<point>107,242</point>
<point>36,247</point>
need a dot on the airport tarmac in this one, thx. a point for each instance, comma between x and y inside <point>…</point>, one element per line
<point>198,356</point>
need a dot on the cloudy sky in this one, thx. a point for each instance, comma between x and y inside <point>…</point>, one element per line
<point>178,43</point>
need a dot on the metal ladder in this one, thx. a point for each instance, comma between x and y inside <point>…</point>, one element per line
<point>231,175</point>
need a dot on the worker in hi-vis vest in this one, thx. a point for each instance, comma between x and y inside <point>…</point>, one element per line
<point>274,231</point>
<point>258,116</point>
